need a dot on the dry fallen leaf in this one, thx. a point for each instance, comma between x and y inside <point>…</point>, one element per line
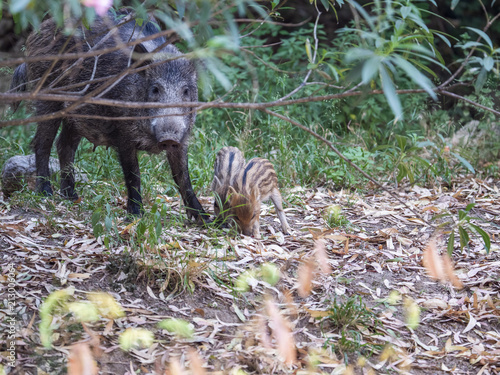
<point>305,274</point>
<point>439,267</point>
<point>80,361</point>
<point>450,272</point>
<point>282,334</point>
<point>432,262</point>
<point>174,368</point>
<point>196,362</point>
<point>321,256</point>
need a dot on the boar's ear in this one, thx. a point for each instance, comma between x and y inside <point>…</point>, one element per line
<point>137,54</point>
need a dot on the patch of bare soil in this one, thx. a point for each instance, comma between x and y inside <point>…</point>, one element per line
<point>416,325</point>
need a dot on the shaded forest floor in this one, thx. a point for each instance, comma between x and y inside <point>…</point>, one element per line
<point>376,270</point>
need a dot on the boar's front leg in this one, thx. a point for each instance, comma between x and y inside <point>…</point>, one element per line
<point>178,160</point>
<point>42,144</point>
<point>132,175</point>
<point>67,143</point>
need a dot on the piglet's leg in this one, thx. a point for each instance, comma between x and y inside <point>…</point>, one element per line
<point>276,198</point>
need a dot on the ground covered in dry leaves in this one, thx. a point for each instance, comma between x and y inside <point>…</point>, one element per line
<point>404,322</point>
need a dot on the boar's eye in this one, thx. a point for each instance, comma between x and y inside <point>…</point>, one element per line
<point>185,91</point>
<point>155,90</point>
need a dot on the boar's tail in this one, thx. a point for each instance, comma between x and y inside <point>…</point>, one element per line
<point>18,84</point>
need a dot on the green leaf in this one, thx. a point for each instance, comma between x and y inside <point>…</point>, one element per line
<point>451,243</point>
<point>464,162</point>
<point>488,63</point>
<point>486,237</point>
<point>326,4</point>
<point>482,34</point>
<point>308,51</point>
<point>405,11</point>
<point>464,237</point>
<point>390,93</point>
<point>96,216</point>
<point>108,223</point>
<point>469,207</point>
<point>356,54</point>
<point>454,3</point>
<point>415,75</point>
<point>443,38</point>
<point>470,45</point>
<point>18,6</point>
<point>370,68</point>
<point>461,215</point>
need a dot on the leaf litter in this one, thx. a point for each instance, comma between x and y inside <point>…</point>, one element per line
<point>430,313</point>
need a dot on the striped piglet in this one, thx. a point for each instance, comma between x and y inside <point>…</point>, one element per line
<point>256,182</point>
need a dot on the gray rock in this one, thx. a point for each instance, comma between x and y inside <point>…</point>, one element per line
<point>472,135</point>
<point>20,170</point>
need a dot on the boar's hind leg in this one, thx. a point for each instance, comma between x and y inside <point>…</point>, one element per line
<point>132,174</point>
<point>178,160</point>
<point>42,144</point>
<point>67,143</point>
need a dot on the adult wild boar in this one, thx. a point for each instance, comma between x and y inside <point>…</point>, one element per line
<point>157,73</point>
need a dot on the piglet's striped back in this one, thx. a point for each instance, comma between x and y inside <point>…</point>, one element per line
<point>258,174</point>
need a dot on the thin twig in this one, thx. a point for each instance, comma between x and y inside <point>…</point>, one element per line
<point>293,92</point>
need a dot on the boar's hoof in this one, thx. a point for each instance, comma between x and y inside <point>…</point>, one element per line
<point>168,145</point>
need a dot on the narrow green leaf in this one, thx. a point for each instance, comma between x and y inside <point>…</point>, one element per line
<point>470,45</point>
<point>451,243</point>
<point>454,3</point>
<point>308,51</point>
<point>370,68</point>
<point>482,34</point>
<point>469,207</point>
<point>443,38</point>
<point>464,237</point>
<point>390,93</point>
<point>486,237</point>
<point>415,75</point>
<point>419,21</point>
<point>464,162</point>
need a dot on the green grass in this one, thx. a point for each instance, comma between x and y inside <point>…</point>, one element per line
<point>355,323</point>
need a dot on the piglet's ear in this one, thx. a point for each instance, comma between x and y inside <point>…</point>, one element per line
<point>232,192</point>
<point>138,54</point>
<point>254,195</point>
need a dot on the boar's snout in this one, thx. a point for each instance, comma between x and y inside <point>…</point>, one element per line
<point>168,144</point>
